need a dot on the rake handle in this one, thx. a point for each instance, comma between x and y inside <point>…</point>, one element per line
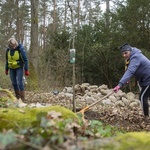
<point>100,100</point>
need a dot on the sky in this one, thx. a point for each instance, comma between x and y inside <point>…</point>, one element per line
<point>103,6</point>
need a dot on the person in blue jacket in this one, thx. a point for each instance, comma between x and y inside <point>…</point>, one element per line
<point>16,65</point>
<point>138,66</point>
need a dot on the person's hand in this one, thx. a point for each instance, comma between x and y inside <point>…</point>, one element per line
<point>6,72</point>
<point>116,89</point>
<point>26,72</point>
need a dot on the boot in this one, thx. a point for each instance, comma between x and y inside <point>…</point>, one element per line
<point>22,96</point>
<point>17,94</point>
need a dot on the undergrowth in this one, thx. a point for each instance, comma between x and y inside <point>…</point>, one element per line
<point>53,131</point>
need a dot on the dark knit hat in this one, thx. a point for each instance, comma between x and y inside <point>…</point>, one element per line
<point>125,47</point>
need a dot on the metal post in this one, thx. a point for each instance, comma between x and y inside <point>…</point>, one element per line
<point>72,54</point>
<point>74,102</point>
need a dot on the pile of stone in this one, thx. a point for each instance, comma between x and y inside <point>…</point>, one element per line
<point>118,109</point>
<point>86,94</point>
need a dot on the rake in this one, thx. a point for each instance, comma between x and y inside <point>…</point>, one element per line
<point>88,107</point>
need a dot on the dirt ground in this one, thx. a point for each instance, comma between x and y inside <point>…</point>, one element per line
<point>128,120</point>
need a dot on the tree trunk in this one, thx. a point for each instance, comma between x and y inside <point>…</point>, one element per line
<point>78,14</point>
<point>54,16</point>
<point>107,13</point>
<point>33,56</point>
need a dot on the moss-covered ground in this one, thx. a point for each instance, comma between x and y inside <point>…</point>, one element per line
<point>12,118</point>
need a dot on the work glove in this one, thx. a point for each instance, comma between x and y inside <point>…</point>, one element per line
<point>26,72</point>
<point>116,89</point>
<point>6,72</point>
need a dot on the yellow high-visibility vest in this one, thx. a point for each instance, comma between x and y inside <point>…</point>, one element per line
<point>13,61</point>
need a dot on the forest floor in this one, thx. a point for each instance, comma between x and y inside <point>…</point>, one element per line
<point>124,118</point>
<point>131,123</point>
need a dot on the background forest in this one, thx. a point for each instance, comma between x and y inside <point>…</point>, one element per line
<point>50,28</point>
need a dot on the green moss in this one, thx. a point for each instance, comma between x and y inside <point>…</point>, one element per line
<point>130,141</point>
<point>135,140</point>
<point>22,118</point>
<point>32,79</point>
<point>6,95</point>
<point>4,80</point>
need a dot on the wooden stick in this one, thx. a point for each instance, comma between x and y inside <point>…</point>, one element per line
<point>88,107</point>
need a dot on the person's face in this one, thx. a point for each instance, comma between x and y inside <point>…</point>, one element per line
<point>126,55</point>
<point>12,46</point>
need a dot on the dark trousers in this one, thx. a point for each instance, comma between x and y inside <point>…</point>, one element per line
<point>144,95</point>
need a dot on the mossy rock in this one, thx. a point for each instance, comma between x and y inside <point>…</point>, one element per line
<point>132,140</point>
<point>126,141</point>
<point>15,118</point>
<point>6,95</point>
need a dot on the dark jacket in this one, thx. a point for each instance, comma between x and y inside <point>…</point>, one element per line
<point>139,67</point>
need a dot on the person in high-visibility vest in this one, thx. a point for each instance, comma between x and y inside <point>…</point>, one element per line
<point>16,66</point>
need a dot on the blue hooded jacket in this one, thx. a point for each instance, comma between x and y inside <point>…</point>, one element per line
<point>23,56</point>
<point>139,67</point>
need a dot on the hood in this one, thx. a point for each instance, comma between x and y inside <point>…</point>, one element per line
<point>135,51</point>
